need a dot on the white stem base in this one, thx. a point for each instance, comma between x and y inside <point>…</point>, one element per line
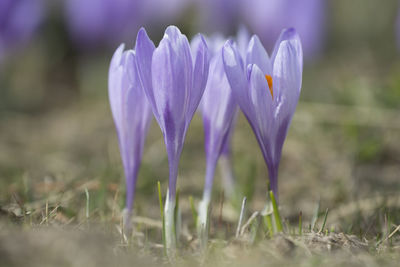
<point>127,222</point>
<point>169,217</point>
<point>202,221</point>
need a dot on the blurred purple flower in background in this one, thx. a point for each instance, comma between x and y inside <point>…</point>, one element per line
<point>18,21</point>
<point>98,22</point>
<point>174,78</point>
<point>132,116</point>
<point>267,91</point>
<point>267,18</point>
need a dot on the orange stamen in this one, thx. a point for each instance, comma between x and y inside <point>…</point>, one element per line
<point>269,80</point>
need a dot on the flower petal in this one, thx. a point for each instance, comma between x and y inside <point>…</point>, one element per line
<point>200,75</point>
<point>261,99</point>
<point>170,88</point>
<point>234,69</point>
<point>256,54</point>
<point>287,76</point>
<point>290,35</point>
<point>219,108</point>
<point>115,83</point>
<point>144,52</point>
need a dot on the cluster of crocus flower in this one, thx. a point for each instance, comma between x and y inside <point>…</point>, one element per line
<point>174,77</point>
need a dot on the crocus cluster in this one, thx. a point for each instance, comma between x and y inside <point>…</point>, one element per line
<point>172,79</point>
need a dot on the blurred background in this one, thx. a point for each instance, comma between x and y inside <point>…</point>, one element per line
<point>57,135</point>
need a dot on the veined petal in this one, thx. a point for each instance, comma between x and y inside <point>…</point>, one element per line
<point>132,115</point>
<point>136,111</point>
<point>219,108</point>
<point>200,76</point>
<point>256,54</point>
<point>144,53</point>
<point>114,84</point>
<point>234,69</point>
<point>170,88</point>
<point>287,76</point>
<point>291,36</point>
<point>261,99</point>
<point>194,45</point>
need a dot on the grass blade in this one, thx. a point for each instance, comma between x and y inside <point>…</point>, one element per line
<point>87,203</point>
<point>277,217</point>
<point>268,223</point>
<point>241,217</point>
<point>315,217</point>
<point>325,218</point>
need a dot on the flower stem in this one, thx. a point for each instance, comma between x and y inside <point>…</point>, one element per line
<point>169,221</point>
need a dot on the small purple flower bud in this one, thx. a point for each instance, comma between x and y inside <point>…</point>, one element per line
<point>132,116</point>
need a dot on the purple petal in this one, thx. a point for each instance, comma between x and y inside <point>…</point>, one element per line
<point>200,75</point>
<point>219,109</point>
<point>115,84</point>
<point>261,99</point>
<point>287,75</point>
<point>235,73</point>
<point>256,54</point>
<point>170,90</point>
<point>292,36</point>
<point>144,53</point>
<point>131,112</point>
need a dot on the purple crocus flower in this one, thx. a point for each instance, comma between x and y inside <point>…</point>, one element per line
<point>18,21</point>
<point>267,91</point>
<point>94,23</point>
<point>266,18</point>
<point>132,116</point>
<point>174,78</point>
<point>218,109</point>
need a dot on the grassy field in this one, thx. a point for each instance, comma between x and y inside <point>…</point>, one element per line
<point>62,186</point>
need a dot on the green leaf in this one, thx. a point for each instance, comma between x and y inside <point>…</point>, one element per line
<point>277,217</point>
